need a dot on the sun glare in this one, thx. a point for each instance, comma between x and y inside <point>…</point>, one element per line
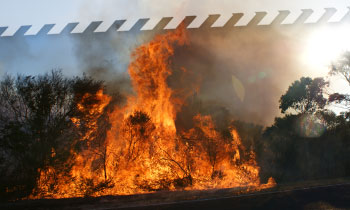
<point>325,45</point>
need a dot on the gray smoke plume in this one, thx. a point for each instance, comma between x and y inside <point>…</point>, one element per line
<point>262,62</point>
<point>241,72</point>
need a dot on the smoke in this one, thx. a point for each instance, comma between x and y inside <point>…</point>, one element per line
<point>33,55</point>
<point>2,71</point>
<point>11,52</point>
<point>240,73</point>
<point>243,72</point>
<point>226,71</point>
<point>107,56</point>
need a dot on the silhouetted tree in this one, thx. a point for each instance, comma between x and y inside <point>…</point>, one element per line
<point>311,142</point>
<point>304,95</point>
<point>138,128</point>
<point>36,130</point>
<point>341,68</point>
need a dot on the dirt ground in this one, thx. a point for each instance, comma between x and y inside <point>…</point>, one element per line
<point>328,195</point>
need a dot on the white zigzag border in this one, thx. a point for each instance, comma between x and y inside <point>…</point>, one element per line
<point>281,17</point>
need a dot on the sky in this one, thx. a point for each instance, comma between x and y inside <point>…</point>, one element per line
<point>14,13</point>
<point>39,54</point>
<point>37,13</point>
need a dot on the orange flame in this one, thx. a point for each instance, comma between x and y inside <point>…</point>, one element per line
<point>143,151</point>
<point>149,72</point>
<point>92,112</point>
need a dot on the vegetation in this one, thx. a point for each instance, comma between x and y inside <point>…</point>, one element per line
<point>45,119</point>
<point>36,130</point>
<point>304,95</point>
<point>310,142</point>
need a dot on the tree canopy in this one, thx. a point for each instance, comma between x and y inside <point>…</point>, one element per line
<point>341,68</point>
<point>36,130</point>
<point>304,95</point>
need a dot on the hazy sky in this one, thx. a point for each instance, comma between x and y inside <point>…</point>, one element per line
<point>39,54</point>
<point>14,13</point>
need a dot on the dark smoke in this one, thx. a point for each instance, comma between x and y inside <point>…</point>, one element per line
<point>106,56</point>
<point>262,60</point>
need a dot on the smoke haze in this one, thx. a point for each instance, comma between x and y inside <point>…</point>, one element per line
<point>242,70</point>
<point>264,62</point>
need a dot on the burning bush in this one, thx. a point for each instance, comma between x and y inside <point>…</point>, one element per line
<point>37,133</point>
<point>120,149</point>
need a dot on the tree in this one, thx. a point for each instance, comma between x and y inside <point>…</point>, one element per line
<point>36,129</point>
<point>34,113</point>
<point>304,95</point>
<point>138,129</point>
<point>342,68</point>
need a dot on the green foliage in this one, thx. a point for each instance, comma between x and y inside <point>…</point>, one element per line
<point>37,133</point>
<point>288,154</point>
<point>289,157</point>
<point>304,95</point>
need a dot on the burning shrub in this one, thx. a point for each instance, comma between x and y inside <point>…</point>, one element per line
<point>107,149</point>
<point>37,133</point>
<point>138,128</point>
<point>88,187</point>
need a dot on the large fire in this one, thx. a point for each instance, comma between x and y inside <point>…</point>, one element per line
<point>142,150</point>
